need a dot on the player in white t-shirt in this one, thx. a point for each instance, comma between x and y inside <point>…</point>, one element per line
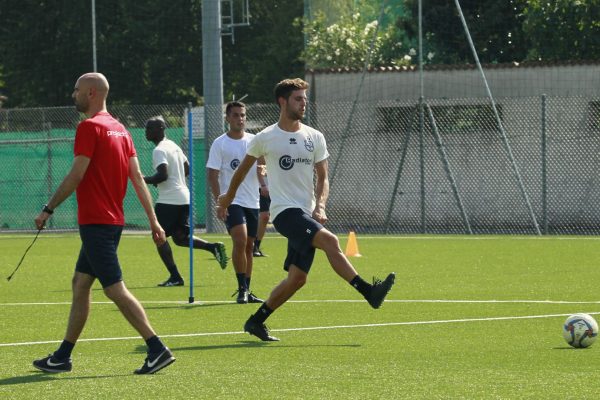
<point>172,206</point>
<point>293,153</point>
<point>225,155</point>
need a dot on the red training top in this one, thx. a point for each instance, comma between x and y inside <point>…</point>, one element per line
<point>108,145</point>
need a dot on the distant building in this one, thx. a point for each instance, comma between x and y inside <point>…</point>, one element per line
<point>534,163</point>
<point>577,78</point>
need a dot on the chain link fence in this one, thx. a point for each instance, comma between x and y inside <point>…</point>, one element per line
<point>452,168</point>
<point>463,172</point>
<point>36,152</point>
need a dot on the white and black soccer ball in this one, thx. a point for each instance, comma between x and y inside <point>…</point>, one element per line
<point>580,330</point>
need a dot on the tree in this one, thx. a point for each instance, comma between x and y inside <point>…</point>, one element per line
<point>562,29</point>
<point>348,43</point>
<point>495,28</point>
<point>44,48</point>
<point>356,35</point>
<point>151,51</point>
<point>265,52</point>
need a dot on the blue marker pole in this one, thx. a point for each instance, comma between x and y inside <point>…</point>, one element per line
<point>191,187</point>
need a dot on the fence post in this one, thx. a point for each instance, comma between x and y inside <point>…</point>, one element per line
<point>48,129</point>
<point>422,162</point>
<point>544,169</point>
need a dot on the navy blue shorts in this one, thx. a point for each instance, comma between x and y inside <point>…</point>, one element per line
<point>238,215</point>
<point>173,217</point>
<point>300,229</point>
<point>98,254</point>
<point>265,203</point>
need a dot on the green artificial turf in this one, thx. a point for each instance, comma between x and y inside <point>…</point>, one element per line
<point>469,317</point>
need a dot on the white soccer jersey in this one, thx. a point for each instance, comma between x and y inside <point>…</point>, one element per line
<point>174,190</point>
<point>225,156</point>
<point>290,158</point>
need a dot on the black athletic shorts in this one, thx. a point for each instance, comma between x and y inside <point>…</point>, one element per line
<point>173,217</point>
<point>98,254</point>
<point>265,203</point>
<point>300,229</point>
<point>238,215</point>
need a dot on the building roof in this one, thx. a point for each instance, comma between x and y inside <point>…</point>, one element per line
<point>455,67</point>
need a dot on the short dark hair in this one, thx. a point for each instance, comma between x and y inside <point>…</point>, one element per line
<point>287,86</point>
<point>232,104</point>
<point>156,123</point>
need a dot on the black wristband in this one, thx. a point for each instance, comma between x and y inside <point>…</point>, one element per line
<point>47,210</point>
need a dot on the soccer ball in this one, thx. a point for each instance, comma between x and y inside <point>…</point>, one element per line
<point>580,330</point>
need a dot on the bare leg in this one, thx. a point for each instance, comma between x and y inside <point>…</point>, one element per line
<point>285,290</point>
<point>80,305</point>
<point>249,251</point>
<point>239,236</point>
<point>263,220</point>
<point>131,308</point>
<point>329,243</point>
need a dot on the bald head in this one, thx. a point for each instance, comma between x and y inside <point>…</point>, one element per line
<point>95,80</point>
<point>90,93</point>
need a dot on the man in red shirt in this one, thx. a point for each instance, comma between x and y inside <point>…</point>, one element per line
<point>105,159</point>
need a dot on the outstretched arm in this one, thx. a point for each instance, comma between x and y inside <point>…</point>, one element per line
<point>135,175</point>
<point>240,173</point>
<point>66,188</point>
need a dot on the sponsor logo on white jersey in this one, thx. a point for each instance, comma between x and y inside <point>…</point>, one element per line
<point>286,162</point>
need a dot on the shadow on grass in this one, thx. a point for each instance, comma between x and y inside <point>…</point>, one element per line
<point>182,306</point>
<point>39,376</point>
<point>256,344</point>
<point>99,289</point>
<point>243,344</point>
<point>185,306</point>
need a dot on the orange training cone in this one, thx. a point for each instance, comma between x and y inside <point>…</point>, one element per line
<point>352,246</point>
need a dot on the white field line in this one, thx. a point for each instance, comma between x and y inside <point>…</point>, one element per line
<point>440,237</point>
<point>313,328</point>
<point>200,302</point>
<point>145,236</point>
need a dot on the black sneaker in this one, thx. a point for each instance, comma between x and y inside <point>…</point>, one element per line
<point>242,296</point>
<point>53,364</point>
<point>259,330</point>
<point>253,299</point>
<point>156,362</point>
<point>380,290</point>
<point>258,253</point>
<point>172,282</point>
<point>220,254</point>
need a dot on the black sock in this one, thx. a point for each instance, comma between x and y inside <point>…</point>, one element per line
<point>166,254</point>
<point>204,245</point>
<point>64,351</point>
<point>155,345</point>
<point>262,313</point>
<point>241,278</point>
<point>256,244</point>
<point>359,284</point>
<point>248,283</point>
